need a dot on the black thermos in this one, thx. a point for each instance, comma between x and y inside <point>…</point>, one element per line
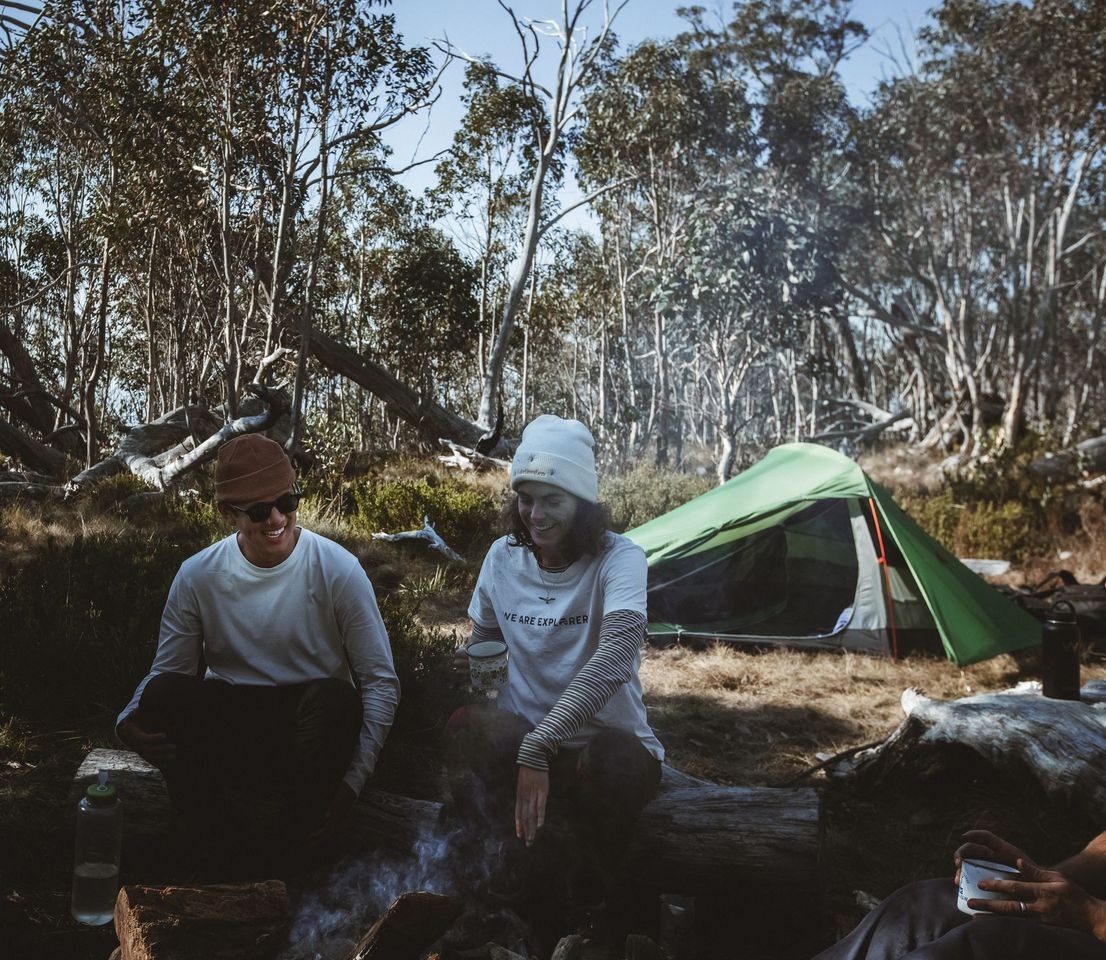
<point>1060,650</point>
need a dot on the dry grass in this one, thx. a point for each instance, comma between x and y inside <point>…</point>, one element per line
<point>761,718</point>
<point>770,718</point>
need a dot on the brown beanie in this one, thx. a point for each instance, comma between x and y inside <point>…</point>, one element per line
<point>250,468</point>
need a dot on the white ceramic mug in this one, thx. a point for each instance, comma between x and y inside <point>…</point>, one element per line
<point>971,872</point>
<point>487,666</point>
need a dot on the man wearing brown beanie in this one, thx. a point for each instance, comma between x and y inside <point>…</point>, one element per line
<point>273,677</point>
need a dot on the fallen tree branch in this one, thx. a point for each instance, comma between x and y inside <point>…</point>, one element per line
<point>1088,456</point>
<point>427,533</point>
<point>468,458</point>
<point>143,450</point>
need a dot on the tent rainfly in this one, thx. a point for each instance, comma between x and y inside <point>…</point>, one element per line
<point>804,549</point>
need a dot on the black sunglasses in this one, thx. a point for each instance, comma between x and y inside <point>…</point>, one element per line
<point>259,512</point>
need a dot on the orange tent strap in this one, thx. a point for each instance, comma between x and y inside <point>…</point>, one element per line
<point>886,579</point>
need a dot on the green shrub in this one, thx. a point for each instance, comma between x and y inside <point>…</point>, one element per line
<point>1008,530</point>
<point>81,623</point>
<point>463,516</point>
<point>647,492</point>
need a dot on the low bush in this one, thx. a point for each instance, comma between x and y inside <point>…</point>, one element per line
<point>81,624</point>
<point>1007,530</point>
<point>81,612</point>
<point>647,492</point>
<point>464,516</point>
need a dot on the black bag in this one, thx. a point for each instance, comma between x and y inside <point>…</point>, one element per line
<point>1087,599</point>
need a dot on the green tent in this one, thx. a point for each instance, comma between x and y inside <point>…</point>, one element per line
<point>804,549</point>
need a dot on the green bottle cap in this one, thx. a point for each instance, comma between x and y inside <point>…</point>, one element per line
<point>101,792</point>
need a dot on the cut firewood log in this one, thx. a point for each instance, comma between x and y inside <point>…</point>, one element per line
<point>753,842</point>
<point>235,921</point>
<point>1057,743</point>
<point>410,924</point>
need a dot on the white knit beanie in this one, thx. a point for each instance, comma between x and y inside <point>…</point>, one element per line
<point>558,452</point>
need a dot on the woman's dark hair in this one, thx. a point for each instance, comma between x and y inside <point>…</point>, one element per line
<point>589,527</point>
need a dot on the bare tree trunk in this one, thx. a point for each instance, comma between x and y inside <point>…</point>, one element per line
<point>660,391</point>
<point>93,378</point>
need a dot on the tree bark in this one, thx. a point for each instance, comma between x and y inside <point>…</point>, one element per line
<point>232,921</point>
<point>694,837</point>
<point>1088,455</point>
<point>1021,733</point>
<point>26,449</point>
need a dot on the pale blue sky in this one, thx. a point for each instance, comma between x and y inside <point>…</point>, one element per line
<point>481,27</point>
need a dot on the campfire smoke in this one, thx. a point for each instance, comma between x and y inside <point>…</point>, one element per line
<point>335,910</point>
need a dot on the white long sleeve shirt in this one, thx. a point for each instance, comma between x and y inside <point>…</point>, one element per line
<point>312,616</point>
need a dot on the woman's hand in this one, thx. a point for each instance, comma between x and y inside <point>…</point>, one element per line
<point>461,660</point>
<point>530,799</point>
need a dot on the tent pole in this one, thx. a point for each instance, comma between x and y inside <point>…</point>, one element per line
<point>886,580</point>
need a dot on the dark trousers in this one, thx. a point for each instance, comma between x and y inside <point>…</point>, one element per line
<point>920,922</point>
<point>290,745</point>
<point>600,789</point>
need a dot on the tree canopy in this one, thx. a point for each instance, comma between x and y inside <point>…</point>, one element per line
<point>198,197</point>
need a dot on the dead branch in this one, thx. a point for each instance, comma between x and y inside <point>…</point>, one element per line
<point>467,458</point>
<point>143,448</point>
<point>1088,456</point>
<point>427,533</point>
<point>866,431</point>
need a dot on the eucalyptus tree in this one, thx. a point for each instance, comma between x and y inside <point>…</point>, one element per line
<point>80,84</point>
<point>483,182</point>
<point>792,52</point>
<point>985,173</point>
<point>661,122</point>
<point>552,108</point>
<point>296,97</point>
<point>183,157</point>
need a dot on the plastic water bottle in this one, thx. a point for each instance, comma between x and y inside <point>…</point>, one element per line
<point>96,857</point>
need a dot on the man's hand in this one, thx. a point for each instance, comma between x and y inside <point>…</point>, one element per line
<point>154,748</point>
<point>337,812</point>
<point>530,799</point>
<point>1048,896</point>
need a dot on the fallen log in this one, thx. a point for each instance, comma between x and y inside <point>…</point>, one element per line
<point>1057,743</point>
<point>235,921</point>
<point>1090,455</point>
<point>694,837</point>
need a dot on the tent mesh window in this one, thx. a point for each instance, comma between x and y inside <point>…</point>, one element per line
<point>793,579</point>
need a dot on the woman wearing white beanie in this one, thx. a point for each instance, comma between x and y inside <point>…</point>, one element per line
<point>568,597</point>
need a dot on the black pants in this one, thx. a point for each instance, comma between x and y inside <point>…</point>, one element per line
<point>920,922</point>
<point>289,744</point>
<point>601,788</point>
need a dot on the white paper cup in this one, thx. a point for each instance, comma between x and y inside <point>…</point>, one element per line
<point>971,872</point>
<point>487,666</point>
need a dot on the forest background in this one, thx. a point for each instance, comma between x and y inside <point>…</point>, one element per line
<point>198,197</point>
<point>198,206</point>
